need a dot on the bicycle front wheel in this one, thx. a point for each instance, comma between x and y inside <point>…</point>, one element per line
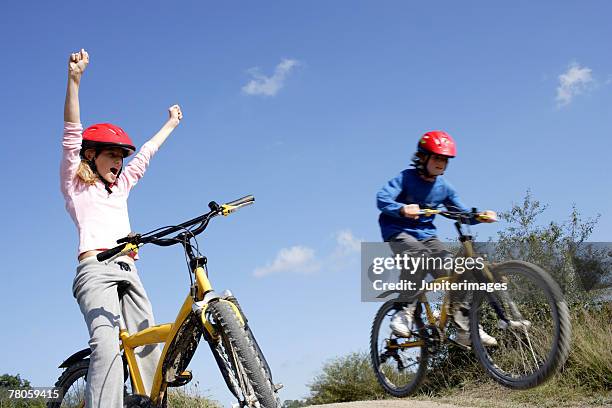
<point>400,364</point>
<point>534,342</point>
<point>245,373</point>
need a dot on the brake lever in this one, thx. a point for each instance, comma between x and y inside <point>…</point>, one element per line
<point>214,207</point>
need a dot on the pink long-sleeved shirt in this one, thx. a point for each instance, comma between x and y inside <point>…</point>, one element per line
<point>101,218</point>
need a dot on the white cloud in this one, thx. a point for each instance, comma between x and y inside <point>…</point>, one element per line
<point>302,259</point>
<point>344,254</point>
<point>296,259</point>
<point>269,85</point>
<point>573,82</point>
<point>346,243</point>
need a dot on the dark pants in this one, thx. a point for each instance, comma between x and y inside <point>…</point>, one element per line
<point>404,243</point>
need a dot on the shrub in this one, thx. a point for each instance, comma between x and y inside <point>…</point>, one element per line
<point>347,378</point>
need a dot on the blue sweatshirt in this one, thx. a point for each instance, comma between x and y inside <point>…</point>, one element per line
<point>409,188</point>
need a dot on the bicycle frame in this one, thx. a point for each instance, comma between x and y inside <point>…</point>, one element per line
<point>181,337</point>
<point>166,333</point>
<point>441,322</point>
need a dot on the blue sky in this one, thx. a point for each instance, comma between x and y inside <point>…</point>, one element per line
<point>341,92</point>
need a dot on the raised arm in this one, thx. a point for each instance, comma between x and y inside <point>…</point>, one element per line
<point>138,165</point>
<point>72,140</point>
<point>76,66</point>
<point>174,118</point>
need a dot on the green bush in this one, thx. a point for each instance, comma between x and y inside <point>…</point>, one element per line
<point>10,382</point>
<point>589,367</point>
<point>552,246</point>
<point>294,404</point>
<point>347,378</point>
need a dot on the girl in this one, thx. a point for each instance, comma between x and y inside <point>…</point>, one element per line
<point>96,185</point>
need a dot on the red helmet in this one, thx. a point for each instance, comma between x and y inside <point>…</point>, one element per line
<point>437,142</point>
<point>107,135</point>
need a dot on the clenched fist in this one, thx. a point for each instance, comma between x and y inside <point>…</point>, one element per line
<point>410,211</point>
<point>487,216</point>
<point>77,63</point>
<point>175,115</point>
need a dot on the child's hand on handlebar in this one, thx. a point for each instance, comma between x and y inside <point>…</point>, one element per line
<point>487,216</point>
<point>77,63</point>
<point>410,211</point>
<point>175,115</point>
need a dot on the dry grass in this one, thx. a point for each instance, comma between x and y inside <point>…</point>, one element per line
<point>549,395</point>
<point>586,379</point>
<point>590,361</point>
<point>190,396</point>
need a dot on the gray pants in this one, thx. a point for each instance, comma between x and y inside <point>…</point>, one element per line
<point>432,247</point>
<point>95,289</point>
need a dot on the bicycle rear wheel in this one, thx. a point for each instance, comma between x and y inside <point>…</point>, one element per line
<point>72,382</point>
<point>535,342</point>
<point>400,364</point>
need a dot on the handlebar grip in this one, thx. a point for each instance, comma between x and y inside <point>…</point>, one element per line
<point>109,253</point>
<point>428,212</point>
<point>227,209</point>
<point>241,201</point>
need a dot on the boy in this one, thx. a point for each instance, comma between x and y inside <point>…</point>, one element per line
<point>400,202</point>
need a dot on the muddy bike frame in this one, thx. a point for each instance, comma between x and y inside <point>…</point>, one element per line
<point>485,275</point>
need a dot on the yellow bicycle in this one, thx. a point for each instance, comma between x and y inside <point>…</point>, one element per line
<point>216,317</point>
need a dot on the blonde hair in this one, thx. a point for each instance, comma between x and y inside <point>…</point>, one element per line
<point>86,174</point>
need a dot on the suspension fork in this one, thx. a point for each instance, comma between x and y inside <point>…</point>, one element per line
<point>484,275</point>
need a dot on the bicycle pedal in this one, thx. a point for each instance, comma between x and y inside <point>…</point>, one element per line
<point>181,379</point>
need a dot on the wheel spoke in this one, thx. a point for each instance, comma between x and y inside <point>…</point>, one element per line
<point>528,347</point>
<point>398,369</point>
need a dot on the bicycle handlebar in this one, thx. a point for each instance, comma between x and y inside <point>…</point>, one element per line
<point>454,215</point>
<point>109,253</point>
<point>115,252</point>
<point>133,241</point>
<point>246,200</point>
<point>232,206</point>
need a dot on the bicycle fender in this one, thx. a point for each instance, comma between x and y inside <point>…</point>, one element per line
<point>78,356</point>
<point>200,308</point>
<point>83,354</point>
